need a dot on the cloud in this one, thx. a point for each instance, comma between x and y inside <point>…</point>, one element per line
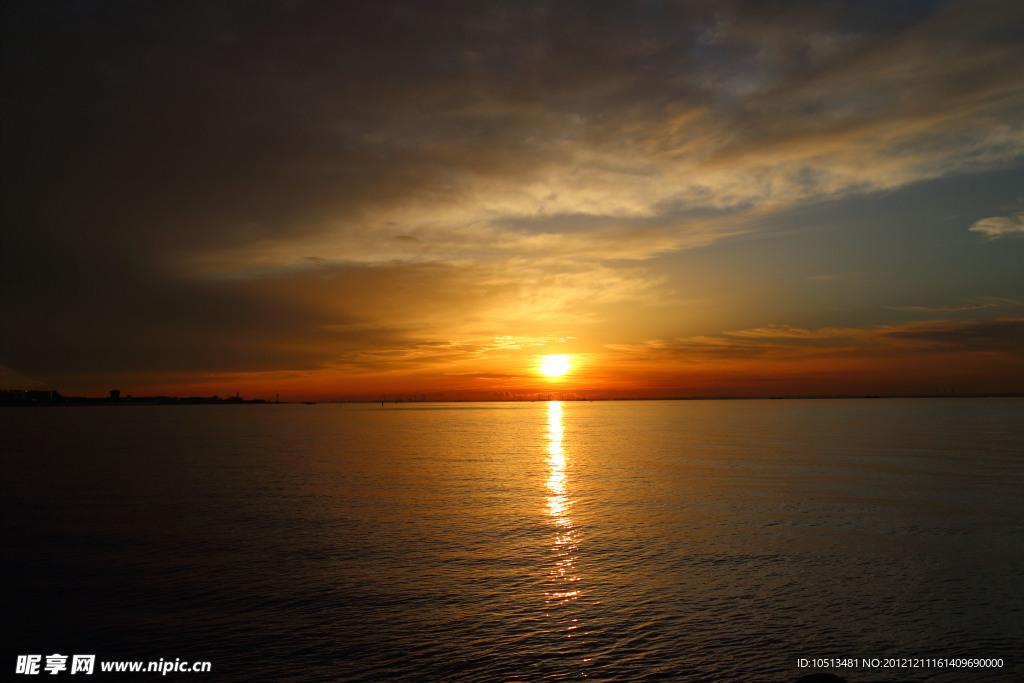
<point>288,130</point>
<point>1002,335</point>
<point>785,343</point>
<point>283,186</point>
<point>928,358</point>
<point>951,308</point>
<point>1000,226</point>
<point>788,332</point>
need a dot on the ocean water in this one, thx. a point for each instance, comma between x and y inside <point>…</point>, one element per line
<point>607,541</point>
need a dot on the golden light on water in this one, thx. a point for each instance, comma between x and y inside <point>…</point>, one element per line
<point>555,366</point>
<point>562,575</point>
<point>556,461</point>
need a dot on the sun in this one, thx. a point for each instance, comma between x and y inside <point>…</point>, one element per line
<point>554,366</point>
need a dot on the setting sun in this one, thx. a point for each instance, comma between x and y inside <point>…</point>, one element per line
<point>555,366</point>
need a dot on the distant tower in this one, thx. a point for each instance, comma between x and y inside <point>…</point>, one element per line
<point>115,394</point>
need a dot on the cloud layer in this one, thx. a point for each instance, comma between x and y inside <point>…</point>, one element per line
<point>279,186</point>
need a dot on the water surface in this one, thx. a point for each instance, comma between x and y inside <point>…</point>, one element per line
<point>675,540</point>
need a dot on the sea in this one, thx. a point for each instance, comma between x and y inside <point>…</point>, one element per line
<point>730,540</point>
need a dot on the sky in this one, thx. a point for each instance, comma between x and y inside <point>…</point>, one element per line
<point>325,200</point>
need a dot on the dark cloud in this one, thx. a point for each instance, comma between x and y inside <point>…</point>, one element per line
<point>782,342</point>
<point>203,125</point>
<point>1006,335</point>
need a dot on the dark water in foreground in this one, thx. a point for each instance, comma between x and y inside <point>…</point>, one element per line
<point>617,541</point>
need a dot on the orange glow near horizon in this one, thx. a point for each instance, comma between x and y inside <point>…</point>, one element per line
<point>592,372</point>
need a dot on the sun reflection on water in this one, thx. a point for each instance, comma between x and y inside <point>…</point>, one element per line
<point>562,575</point>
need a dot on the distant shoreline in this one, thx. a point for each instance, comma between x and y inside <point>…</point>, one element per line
<point>7,402</point>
